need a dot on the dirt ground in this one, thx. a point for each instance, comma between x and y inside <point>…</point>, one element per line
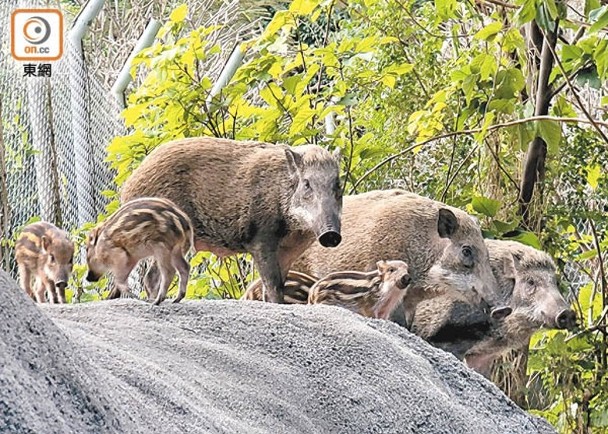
<point>125,366</point>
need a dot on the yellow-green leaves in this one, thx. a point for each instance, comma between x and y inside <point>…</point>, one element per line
<point>179,14</point>
<point>446,8</point>
<point>485,205</point>
<point>551,133</point>
<point>593,175</point>
<point>489,32</point>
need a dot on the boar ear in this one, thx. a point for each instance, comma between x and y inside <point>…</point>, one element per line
<point>501,312</point>
<point>294,161</point>
<point>447,223</point>
<point>93,236</point>
<point>381,265</point>
<point>337,155</point>
<point>46,243</point>
<point>511,265</point>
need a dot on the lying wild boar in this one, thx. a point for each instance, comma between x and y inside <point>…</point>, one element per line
<point>374,294</point>
<point>45,253</point>
<point>268,200</point>
<point>455,321</point>
<point>296,288</point>
<point>441,245</point>
<point>528,284</point>
<point>142,228</point>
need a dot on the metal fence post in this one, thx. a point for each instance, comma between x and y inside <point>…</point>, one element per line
<point>124,77</point>
<point>80,112</point>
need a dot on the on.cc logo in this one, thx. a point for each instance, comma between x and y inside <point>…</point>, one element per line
<point>37,34</point>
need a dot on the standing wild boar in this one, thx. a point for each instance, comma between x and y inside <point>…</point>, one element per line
<point>374,294</point>
<point>268,200</point>
<point>455,321</point>
<point>441,245</point>
<point>528,284</point>
<point>296,288</point>
<point>139,229</point>
<point>45,253</point>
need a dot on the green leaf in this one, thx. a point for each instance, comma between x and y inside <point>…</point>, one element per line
<point>589,77</point>
<point>591,5</point>
<point>551,8</point>
<point>551,133</point>
<point>527,238</point>
<point>601,17</point>
<point>526,12</point>
<point>302,7</point>
<point>301,119</point>
<point>445,8</point>
<point>593,175</point>
<point>179,14</point>
<point>489,32</point>
<point>486,206</point>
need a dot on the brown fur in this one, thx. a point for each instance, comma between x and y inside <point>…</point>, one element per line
<point>139,229</point>
<point>528,284</point>
<point>456,321</point>
<point>296,288</point>
<point>402,225</point>
<point>247,197</point>
<point>45,253</point>
<point>374,294</point>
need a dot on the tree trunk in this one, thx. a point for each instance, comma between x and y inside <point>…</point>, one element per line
<point>534,167</point>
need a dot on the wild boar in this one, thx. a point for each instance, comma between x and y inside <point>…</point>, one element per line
<point>527,282</point>
<point>455,321</point>
<point>45,253</point>
<point>269,200</point>
<point>441,245</point>
<point>296,288</point>
<point>374,294</point>
<point>139,229</point>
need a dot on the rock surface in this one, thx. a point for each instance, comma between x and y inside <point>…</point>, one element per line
<point>124,366</point>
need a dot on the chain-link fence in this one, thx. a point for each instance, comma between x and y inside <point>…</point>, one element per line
<point>55,130</point>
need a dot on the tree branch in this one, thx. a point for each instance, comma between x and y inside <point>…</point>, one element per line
<point>471,131</point>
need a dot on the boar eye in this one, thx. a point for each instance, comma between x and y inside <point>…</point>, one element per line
<point>530,281</point>
<point>306,184</point>
<point>52,258</point>
<point>467,252</point>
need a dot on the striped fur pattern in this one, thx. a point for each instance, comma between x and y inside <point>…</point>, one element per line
<point>142,228</point>
<point>295,289</point>
<point>44,254</point>
<point>374,294</point>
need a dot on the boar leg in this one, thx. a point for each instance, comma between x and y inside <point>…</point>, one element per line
<point>52,292</point>
<point>25,276</point>
<point>151,280</point>
<point>121,276</point>
<point>40,289</point>
<point>167,272</point>
<point>267,264</point>
<point>183,268</point>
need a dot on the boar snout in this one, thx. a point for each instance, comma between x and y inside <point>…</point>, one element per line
<point>330,238</point>
<point>566,319</point>
<point>92,277</point>
<point>404,281</point>
<point>500,313</point>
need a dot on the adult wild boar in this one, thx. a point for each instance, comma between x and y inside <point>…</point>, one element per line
<point>268,200</point>
<point>456,321</point>
<point>527,282</point>
<point>441,245</point>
